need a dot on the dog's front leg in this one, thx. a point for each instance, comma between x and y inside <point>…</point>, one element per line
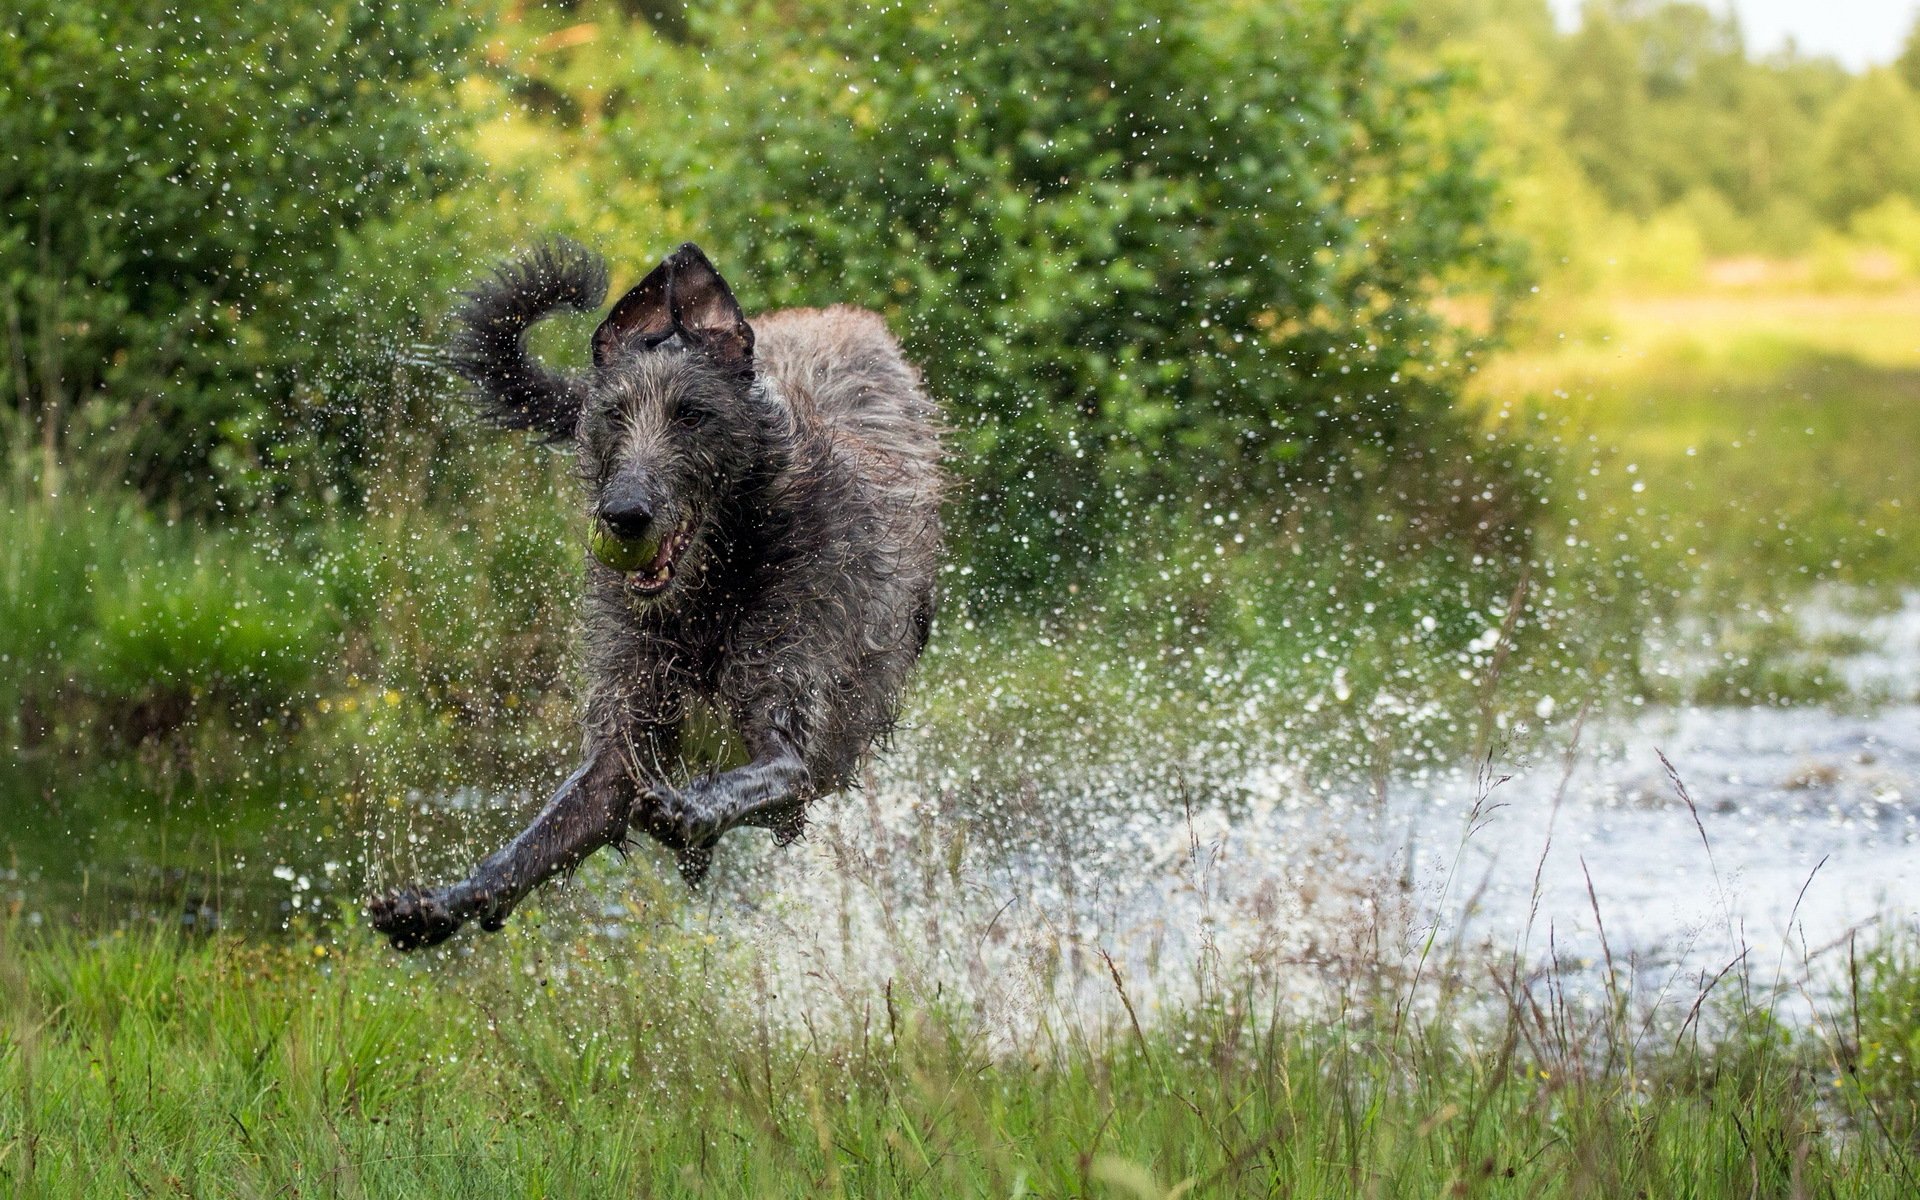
<point>769,790</point>
<point>590,810</point>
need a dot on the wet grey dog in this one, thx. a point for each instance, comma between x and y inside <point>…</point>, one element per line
<point>784,478</point>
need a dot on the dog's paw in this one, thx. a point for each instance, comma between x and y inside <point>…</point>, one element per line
<point>788,824</point>
<point>678,820</point>
<point>694,862</point>
<point>414,917</point>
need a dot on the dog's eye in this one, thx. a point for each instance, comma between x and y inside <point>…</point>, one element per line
<point>691,416</point>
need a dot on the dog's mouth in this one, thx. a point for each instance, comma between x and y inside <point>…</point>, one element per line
<point>647,562</point>
<point>656,574</point>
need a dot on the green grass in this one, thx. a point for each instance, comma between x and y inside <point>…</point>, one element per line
<point>1802,471</point>
<point>426,642</point>
<point>139,1064</point>
<point>108,610</point>
<point>118,621</point>
<point>1739,451</point>
<point>1881,1043</point>
<point>1761,443</point>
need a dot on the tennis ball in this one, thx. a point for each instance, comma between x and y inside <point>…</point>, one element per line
<point>623,554</point>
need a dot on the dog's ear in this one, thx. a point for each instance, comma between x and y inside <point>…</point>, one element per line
<point>705,312</point>
<point>643,317</point>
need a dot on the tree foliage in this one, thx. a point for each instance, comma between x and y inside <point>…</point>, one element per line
<point>1908,64</point>
<point>1870,147</point>
<point>1152,255</point>
<point>1662,100</point>
<point>1147,252</point>
<point>1668,113</point>
<point>176,195</point>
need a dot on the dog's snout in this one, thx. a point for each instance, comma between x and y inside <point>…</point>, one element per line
<point>629,519</point>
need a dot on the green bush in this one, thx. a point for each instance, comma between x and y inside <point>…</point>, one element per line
<point>1870,145</point>
<point>112,620</point>
<point>46,614</point>
<point>1893,225</point>
<point>175,197</point>
<point>209,624</point>
<point>1150,252</point>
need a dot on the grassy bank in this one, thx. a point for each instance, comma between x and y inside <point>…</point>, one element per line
<point>1763,441</point>
<point>424,632</point>
<point>1752,456</point>
<point>140,1064</point>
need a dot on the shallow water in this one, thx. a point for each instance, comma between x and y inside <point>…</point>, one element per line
<point>1803,827</point>
<point>1778,834</point>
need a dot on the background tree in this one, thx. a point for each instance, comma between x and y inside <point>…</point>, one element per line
<point>1870,146</point>
<point>1148,254</point>
<point>177,198</point>
<point>1908,63</point>
<point>1606,117</point>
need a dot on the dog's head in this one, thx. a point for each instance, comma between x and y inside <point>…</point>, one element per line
<point>667,424</point>
<point>671,425</point>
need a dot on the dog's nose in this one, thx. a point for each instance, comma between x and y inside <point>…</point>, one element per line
<point>628,520</point>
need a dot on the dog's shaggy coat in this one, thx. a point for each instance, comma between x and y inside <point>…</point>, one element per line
<point>788,472</point>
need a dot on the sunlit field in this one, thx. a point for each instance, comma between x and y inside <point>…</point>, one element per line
<point>1771,438</point>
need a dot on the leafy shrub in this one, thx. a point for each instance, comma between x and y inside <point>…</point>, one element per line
<point>110,618</point>
<point>1893,224</point>
<point>175,197</point>
<point>1870,145</point>
<point>208,624</point>
<point>45,612</point>
<point>1146,252</point>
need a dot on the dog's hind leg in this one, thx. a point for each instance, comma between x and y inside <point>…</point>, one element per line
<point>590,810</point>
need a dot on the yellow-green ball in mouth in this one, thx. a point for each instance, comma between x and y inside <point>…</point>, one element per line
<point>625,555</point>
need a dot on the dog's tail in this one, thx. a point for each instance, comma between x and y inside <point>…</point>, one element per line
<point>489,343</point>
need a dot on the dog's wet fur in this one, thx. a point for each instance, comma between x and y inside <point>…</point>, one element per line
<point>789,470</point>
